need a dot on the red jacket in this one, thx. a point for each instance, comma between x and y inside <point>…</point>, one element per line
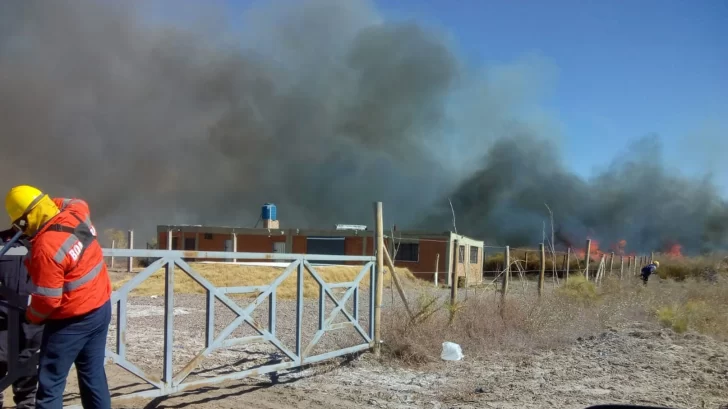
<point>67,267</point>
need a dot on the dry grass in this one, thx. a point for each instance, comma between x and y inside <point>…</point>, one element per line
<point>680,268</point>
<point>482,325</point>
<point>231,275</point>
<point>694,305</point>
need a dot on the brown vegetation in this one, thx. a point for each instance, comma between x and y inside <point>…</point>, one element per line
<point>484,325</point>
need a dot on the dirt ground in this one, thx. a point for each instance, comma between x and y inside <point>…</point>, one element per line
<point>637,363</point>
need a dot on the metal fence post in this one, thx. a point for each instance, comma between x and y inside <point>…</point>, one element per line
<point>130,266</point>
<point>168,322</point>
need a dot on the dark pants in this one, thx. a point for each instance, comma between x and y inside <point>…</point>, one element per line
<point>645,277</point>
<point>79,340</point>
<point>24,388</point>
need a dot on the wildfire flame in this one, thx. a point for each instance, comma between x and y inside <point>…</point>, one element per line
<point>674,250</point>
<point>619,249</point>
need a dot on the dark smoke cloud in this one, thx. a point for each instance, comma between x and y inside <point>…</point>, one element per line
<point>637,199</point>
<point>320,106</point>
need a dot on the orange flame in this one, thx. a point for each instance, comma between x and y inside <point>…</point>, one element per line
<point>674,250</point>
<point>594,252</point>
<point>619,248</point>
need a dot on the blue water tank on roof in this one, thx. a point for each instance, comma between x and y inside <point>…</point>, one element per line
<point>268,212</point>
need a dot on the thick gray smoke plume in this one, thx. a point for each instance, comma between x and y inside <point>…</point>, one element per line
<point>319,106</point>
<point>636,199</point>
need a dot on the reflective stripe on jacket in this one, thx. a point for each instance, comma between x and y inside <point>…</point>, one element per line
<point>66,266</point>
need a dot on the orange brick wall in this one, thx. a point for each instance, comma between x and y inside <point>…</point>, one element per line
<point>423,269</point>
<point>258,244</point>
<point>299,245</point>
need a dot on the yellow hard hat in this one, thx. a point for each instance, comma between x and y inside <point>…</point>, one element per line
<point>657,263</point>
<point>20,200</point>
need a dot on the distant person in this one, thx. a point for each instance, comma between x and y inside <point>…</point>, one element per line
<point>648,270</point>
<point>14,277</point>
<point>71,294</point>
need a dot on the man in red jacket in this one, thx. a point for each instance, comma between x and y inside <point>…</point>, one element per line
<point>71,295</point>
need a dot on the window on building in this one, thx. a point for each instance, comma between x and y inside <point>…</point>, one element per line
<point>461,254</point>
<point>208,236</point>
<point>408,252</point>
<point>474,255</point>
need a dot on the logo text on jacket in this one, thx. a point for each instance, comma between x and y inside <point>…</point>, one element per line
<point>76,250</point>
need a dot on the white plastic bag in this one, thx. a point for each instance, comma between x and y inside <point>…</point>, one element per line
<point>451,352</point>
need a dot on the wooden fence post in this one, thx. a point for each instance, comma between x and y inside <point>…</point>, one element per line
<point>587,257</point>
<point>568,262</point>
<point>621,267</point>
<point>611,263</point>
<point>379,231</point>
<point>397,283</point>
<point>652,257</point>
<point>506,272</point>
<point>629,264</point>
<point>542,272</point>
<point>437,267</point>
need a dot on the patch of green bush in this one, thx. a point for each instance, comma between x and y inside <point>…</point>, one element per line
<point>673,317</point>
<point>578,288</point>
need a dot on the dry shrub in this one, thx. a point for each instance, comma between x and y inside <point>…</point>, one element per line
<point>702,267</point>
<point>483,325</point>
<point>693,305</point>
<point>580,289</point>
<point>494,262</point>
<point>421,341</point>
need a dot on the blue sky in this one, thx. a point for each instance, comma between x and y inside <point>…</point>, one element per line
<point>624,68</point>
